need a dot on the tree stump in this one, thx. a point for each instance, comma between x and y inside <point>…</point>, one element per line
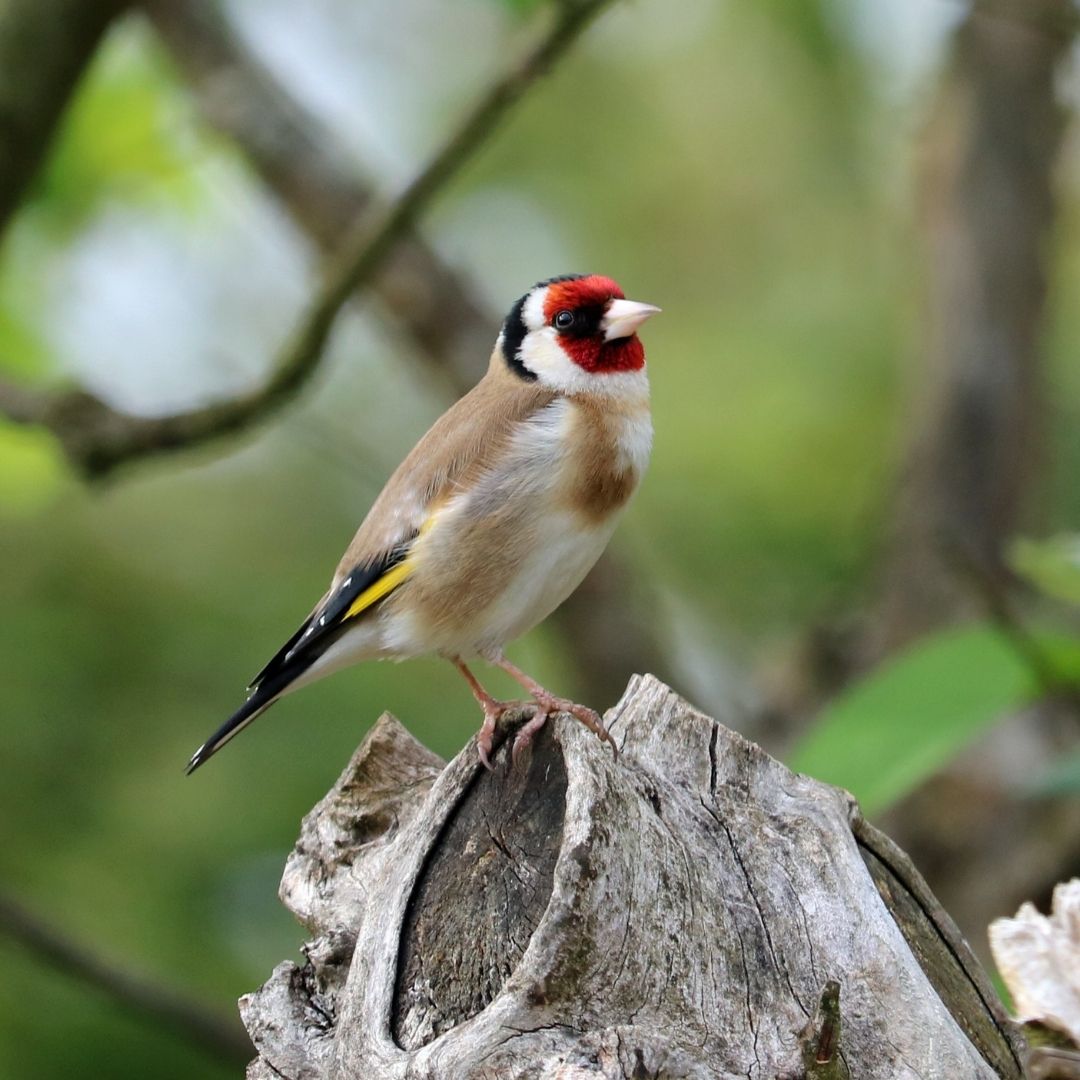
<point>693,909</point>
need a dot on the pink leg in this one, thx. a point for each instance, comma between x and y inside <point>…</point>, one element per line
<point>493,709</point>
<point>549,703</point>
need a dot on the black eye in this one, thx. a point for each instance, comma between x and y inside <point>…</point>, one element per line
<point>564,320</point>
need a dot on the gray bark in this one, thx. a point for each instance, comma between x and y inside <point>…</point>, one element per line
<point>693,909</point>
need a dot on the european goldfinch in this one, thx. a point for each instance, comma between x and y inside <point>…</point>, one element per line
<point>496,515</point>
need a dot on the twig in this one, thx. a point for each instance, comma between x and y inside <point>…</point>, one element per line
<point>1049,1063</point>
<point>321,187</point>
<point>98,438</point>
<point>214,1033</point>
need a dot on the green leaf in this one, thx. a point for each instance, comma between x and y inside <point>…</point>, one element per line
<point>128,135</point>
<point>23,350</point>
<point>1060,655</point>
<point>1051,565</point>
<point>521,8</point>
<point>32,470</point>
<point>885,735</point>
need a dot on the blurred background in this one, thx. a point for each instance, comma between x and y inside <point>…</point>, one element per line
<point>859,541</point>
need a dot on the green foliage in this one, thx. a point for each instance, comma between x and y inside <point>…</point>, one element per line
<point>128,135</point>
<point>1051,565</point>
<point>812,26</point>
<point>32,469</point>
<point>23,258</point>
<point>888,733</point>
<point>22,352</point>
<point>522,8</point>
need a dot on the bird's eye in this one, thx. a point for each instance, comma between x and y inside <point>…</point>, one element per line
<point>564,320</point>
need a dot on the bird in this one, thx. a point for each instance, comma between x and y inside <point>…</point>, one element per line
<point>495,516</point>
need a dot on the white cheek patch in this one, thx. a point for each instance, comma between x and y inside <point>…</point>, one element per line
<point>533,311</point>
<point>544,356</point>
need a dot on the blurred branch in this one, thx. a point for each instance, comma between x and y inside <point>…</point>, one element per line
<point>44,47</point>
<point>974,452</point>
<point>214,1033</point>
<point>318,184</point>
<point>1050,17</point>
<point>98,438</point>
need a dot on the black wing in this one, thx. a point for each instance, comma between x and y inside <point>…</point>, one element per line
<point>321,628</point>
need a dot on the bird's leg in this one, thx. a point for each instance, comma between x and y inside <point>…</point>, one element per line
<point>493,709</point>
<point>548,703</point>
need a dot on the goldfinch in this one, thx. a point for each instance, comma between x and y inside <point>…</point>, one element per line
<point>496,515</point>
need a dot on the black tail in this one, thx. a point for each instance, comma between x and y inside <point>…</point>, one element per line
<point>265,694</point>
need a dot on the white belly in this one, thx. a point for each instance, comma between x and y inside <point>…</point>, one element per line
<point>552,571</point>
<point>560,554</point>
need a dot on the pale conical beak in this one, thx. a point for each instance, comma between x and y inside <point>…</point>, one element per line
<point>623,317</point>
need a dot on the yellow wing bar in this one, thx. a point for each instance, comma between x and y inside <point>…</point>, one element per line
<point>393,577</point>
<point>378,589</point>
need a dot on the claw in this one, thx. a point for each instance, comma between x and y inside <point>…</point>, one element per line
<point>483,746</point>
<point>485,737</point>
<point>589,717</point>
<point>493,709</point>
<point>523,739</point>
<point>549,703</point>
<point>545,702</point>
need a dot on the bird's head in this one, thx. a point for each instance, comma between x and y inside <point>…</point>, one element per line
<point>575,333</point>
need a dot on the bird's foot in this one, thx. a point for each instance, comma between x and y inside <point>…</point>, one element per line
<point>523,739</point>
<point>549,703</point>
<point>485,737</point>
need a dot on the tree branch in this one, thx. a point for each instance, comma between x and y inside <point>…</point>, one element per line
<point>211,1032</point>
<point>321,188</point>
<point>98,438</point>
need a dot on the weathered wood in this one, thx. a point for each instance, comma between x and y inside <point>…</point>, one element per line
<point>692,910</point>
